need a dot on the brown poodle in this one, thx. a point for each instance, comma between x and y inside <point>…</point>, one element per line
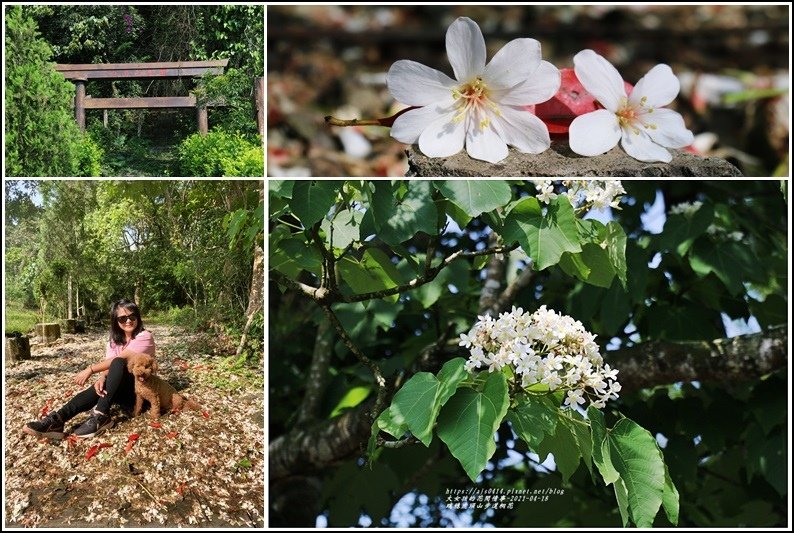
<point>158,392</point>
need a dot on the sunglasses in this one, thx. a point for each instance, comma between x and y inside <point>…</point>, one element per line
<point>125,319</point>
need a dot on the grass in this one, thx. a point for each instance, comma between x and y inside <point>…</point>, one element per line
<point>19,319</point>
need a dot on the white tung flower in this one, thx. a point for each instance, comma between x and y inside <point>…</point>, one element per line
<point>638,120</point>
<point>482,107</point>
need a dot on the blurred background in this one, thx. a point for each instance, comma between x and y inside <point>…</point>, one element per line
<point>732,61</point>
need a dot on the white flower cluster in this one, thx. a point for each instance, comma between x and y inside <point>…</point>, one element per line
<point>596,193</point>
<point>686,208</point>
<point>718,232</point>
<point>543,347</point>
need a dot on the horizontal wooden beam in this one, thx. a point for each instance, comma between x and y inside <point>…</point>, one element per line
<point>141,70</point>
<point>140,102</point>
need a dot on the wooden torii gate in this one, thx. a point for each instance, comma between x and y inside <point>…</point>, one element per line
<point>80,74</point>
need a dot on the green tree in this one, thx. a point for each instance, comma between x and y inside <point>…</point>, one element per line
<point>386,275</point>
<point>42,138</point>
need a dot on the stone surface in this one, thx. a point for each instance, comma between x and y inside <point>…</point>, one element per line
<point>560,161</point>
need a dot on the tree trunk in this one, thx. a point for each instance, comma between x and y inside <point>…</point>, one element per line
<point>138,290</point>
<point>17,349</point>
<point>69,297</point>
<point>256,293</point>
<point>48,332</point>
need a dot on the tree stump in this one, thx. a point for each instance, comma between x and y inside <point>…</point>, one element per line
<point>79,326</point>
<point>68,325</point>
<point>17,348</point>
<point>48,332</point>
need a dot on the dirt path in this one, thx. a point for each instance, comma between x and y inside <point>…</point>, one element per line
<point>196,469</point>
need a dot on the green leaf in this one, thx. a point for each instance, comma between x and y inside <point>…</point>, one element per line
<point>352,398</point>
<point>280,188</point>
<point>564,447</point>
<point>771,312</point>
<point>532,420</point>
<point>397,220</point>
<point>581,431</point>
<point>476,197</point>
<point>670,498</point>
<point>346,227</point>
<point>293,255</point>
<point>312,200</point>
<point>457,214</point>
<point>622,496</point>
<point>591,265</point>
<point>600,451</point>
<point>468,422</point>
<point>386,422</point>
<point>418,402</point>
<point>730,261</point>
<point>636,458</point>
<point>544,237</point>
<point>681,231</point>
<point>374,272</point>
<point>456,274</point>
<point>682,322</point>
<point>616,249</point>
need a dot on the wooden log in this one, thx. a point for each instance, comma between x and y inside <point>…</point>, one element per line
<point>69,325</point>
<point>17,348</point>
<point>48,332</point>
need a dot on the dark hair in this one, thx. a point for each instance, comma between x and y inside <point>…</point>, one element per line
<point>117,335</point>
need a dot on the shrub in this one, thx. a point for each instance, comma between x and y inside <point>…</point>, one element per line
<point>221,154</point>
<point>89,157</point>
<point>42,138</point>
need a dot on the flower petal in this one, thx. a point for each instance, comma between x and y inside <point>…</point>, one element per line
<point>409,126</point>
<point>413,83</point>
<point>600,78</point>
<point>594,133</point>
<point>513,64</point>
<point>670,129</point>
<point>465,49</point>
<point>485,144</point>
<point>660,86</point>
<point>522,129</point>
<point>443,137</point>
<point>538,87</point>
<point>639,146</point>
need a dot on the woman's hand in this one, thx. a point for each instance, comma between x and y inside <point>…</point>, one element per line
<point>83,376</point>
<point>99,386</point>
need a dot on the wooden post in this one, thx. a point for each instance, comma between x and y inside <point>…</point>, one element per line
<point>17,348</point>
<point>201,114</point>
<point>79,103</point>
<point>48,332</point>
<point>259,95</point>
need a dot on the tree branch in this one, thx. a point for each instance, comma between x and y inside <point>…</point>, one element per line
<point>494,277</point>
<point>326,296</point>
<point>510,294</point>
<point>379,379</point>
<point>738,359</point>
<point>731,360</point>
<point>318,374</point>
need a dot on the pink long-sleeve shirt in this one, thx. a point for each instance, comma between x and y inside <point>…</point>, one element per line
<point>142,343</point>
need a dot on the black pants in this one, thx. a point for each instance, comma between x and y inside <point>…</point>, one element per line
<point>119,387</point>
